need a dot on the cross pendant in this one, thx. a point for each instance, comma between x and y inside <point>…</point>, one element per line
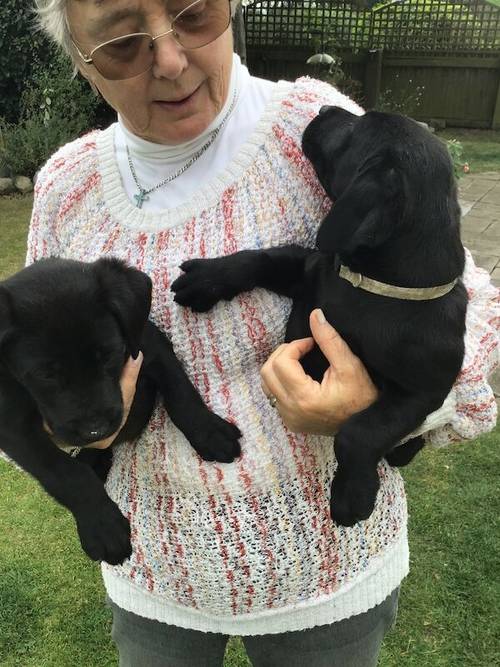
<point>140,198</point>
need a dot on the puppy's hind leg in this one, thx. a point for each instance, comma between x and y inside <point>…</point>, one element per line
<point>362,442</point>
<point>404,454</point>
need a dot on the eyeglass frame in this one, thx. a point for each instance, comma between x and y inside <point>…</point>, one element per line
<point>88,60</point>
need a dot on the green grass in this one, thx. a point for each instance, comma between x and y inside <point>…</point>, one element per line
<point>481,147</point>
<point>52,611</point>
<point>15,213</point>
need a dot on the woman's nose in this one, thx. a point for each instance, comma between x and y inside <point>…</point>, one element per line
<point>169,58</point>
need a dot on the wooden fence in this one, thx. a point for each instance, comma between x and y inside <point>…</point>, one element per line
<point>456,75</point>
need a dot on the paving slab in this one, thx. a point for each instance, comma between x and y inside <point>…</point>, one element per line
<point>492,196</point>
<point>481,224</point>
<point>488,262</point>
<point>479,196</point>
<point>480,189</point>
<point>476,224</point>
<point>489,175</point>
<point>486,208</point>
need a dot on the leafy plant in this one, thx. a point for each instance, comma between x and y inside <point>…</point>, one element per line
<point>404,99</point>
<point>55,108</point>
<point>456,149</point>
<point>23,49</point>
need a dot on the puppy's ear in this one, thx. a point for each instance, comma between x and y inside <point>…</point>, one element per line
<point>363,216</point>
<point>127,292</point>
<point>6,315</point>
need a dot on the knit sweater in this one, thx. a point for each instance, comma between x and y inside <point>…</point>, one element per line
<point>248,547</point>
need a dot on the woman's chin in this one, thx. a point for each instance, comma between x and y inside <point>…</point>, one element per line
<point>178,130</point>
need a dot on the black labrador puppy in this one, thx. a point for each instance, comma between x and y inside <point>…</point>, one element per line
<point>394,225</point>
<point>66,330</point>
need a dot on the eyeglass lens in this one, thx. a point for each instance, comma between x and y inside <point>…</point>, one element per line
<point>196,24</point>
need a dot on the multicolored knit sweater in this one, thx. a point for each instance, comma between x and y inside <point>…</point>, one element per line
<point>247,547</point>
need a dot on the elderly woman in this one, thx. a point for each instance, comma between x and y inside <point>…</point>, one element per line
<point>204,160</point>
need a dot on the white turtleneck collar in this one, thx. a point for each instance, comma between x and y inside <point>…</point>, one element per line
<point>141,148</point>
<point>155,162</point>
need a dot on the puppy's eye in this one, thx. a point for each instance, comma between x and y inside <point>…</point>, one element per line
<point>47,373</point>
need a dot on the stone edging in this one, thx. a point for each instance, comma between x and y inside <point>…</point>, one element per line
<point>21,184</point>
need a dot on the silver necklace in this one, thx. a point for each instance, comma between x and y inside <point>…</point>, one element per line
<point>142,195</point>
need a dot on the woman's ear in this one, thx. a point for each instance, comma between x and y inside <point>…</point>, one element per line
<point>90,79</point>
<point>84,71</point>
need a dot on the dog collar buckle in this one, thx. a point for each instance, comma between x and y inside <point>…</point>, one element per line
<point>356,279</point>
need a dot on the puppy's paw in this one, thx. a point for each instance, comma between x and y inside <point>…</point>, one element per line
<point>403,454</point>
<point>105,533</point>
<point>353,496</point>
<point>201,286</point>
<point>217,440</point>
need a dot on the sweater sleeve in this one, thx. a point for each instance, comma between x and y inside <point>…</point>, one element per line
<point>470,409</point>
<point>42,234</point>
<point>60,183</point>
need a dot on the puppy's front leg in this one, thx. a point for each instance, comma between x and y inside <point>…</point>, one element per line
<point>207,281</point>
<point>362,442</point>
<point>103,530</point>
<point>211,436</point>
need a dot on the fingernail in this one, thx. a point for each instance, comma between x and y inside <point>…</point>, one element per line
<point>138,360</point>
<point>320,318</point>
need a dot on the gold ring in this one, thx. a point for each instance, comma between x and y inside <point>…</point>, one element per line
<point>272,400</point>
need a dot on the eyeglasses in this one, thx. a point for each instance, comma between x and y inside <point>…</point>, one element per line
<point>196,25</point>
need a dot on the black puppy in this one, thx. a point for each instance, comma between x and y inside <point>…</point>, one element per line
<point>396,221</point>
<point>66,330</point>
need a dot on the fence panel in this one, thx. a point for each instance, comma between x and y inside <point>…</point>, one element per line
<point>449,48</point>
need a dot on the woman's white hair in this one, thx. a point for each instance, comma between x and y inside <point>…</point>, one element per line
<point>52,19</point>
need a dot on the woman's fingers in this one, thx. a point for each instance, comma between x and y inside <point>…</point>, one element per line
<point>128,383</point>
<point>333,346</point>
<point>306,405</point>
<point>283,367</point>
<point>128,380</point>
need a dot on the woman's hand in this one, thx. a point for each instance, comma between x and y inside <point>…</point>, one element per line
<point>128,381</point>
<point>308,406</point>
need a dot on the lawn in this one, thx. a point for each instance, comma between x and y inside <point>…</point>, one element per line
<point>52,611</point>
<point>481,147</point>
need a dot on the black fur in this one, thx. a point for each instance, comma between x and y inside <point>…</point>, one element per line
<point>66,330</point>
<point>395,219</point>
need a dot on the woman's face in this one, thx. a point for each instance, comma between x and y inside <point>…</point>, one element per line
<point>181,94</point>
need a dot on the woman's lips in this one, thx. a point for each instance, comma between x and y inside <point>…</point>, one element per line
<point>178,104</point>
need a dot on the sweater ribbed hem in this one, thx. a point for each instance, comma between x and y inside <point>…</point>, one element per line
<point>368,590</point>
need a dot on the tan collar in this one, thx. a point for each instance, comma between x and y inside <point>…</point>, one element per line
<point>407,293</point>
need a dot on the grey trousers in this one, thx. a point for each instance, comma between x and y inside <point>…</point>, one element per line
<point>353,642</point>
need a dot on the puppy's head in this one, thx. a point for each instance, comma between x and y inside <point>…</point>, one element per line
<point>384,173</point>
<point>66,329</point>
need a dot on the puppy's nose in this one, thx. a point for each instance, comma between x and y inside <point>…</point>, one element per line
<point>95,432</point>
<point>325,108</point>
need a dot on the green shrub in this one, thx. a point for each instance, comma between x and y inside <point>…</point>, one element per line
<point>23,48</point>
<point>456,150</point>
<point>55,108</point>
